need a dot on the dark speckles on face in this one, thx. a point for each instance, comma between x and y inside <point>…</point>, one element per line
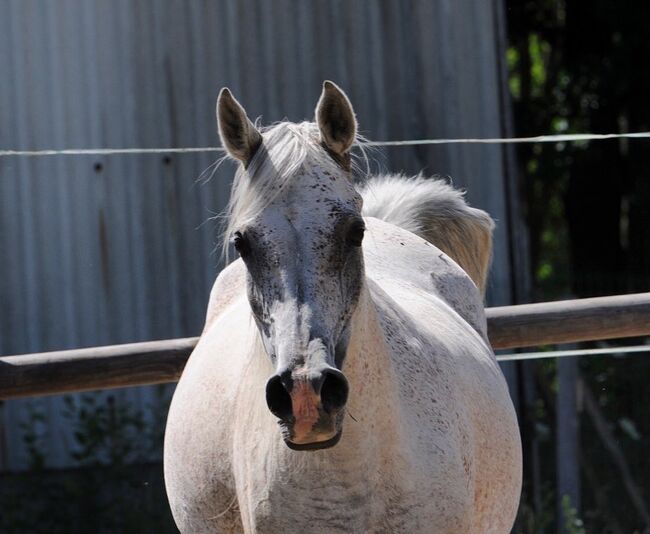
<point>304,277</point>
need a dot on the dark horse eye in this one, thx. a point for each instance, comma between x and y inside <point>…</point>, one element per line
<point>241,244</point>
<point>355,234</point>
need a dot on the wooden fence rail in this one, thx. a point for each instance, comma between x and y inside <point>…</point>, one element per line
<point>156,362</point>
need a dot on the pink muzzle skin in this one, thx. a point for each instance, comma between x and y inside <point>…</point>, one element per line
<point>305,405</point>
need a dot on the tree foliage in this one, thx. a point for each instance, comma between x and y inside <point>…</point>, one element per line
<point>575,67</point>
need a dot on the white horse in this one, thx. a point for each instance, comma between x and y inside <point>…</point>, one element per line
<point>342,383</point>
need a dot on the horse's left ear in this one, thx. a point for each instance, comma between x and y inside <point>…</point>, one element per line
<point>335,119</point>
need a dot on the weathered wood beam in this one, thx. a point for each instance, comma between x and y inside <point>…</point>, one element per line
<point>569,321</point>
<point>114,366</point>
<point>155,362</point>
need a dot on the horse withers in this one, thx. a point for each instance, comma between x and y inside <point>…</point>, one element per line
<point>343,381</point>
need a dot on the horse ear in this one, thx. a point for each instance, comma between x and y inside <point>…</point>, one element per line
<point>335,119</point>
<point>238,134</point>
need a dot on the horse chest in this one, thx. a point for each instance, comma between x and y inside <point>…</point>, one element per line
<point>364,512</point>
<point>371,494</point>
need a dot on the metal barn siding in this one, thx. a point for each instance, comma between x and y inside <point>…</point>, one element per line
<point>120,248</point>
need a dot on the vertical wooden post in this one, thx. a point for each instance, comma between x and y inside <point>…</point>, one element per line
<point>567,450</point>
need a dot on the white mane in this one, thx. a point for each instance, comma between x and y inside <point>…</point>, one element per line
<point>437,212</point>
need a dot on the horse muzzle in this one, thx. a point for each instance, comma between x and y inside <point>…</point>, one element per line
<point>309,404</point>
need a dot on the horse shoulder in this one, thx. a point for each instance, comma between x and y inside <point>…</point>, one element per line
<point>461,421</point>
<point>198,448</point>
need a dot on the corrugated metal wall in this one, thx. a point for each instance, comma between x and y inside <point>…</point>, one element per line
<point>97,250</point>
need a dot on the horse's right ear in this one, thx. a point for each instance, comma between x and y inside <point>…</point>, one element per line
<point>238,134</point>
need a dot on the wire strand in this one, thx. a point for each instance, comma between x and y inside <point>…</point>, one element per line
<point>560,138</point>
<point>571,353</point>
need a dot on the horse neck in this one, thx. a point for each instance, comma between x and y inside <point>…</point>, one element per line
<point>374,398</point>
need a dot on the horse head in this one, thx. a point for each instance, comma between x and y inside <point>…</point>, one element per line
<point>295,221</point>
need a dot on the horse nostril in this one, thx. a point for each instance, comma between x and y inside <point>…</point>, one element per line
<point>278,398</point>
<point>334,391</point>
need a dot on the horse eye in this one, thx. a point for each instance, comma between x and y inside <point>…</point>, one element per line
<point>355,234</point>
<point>241,244</point>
